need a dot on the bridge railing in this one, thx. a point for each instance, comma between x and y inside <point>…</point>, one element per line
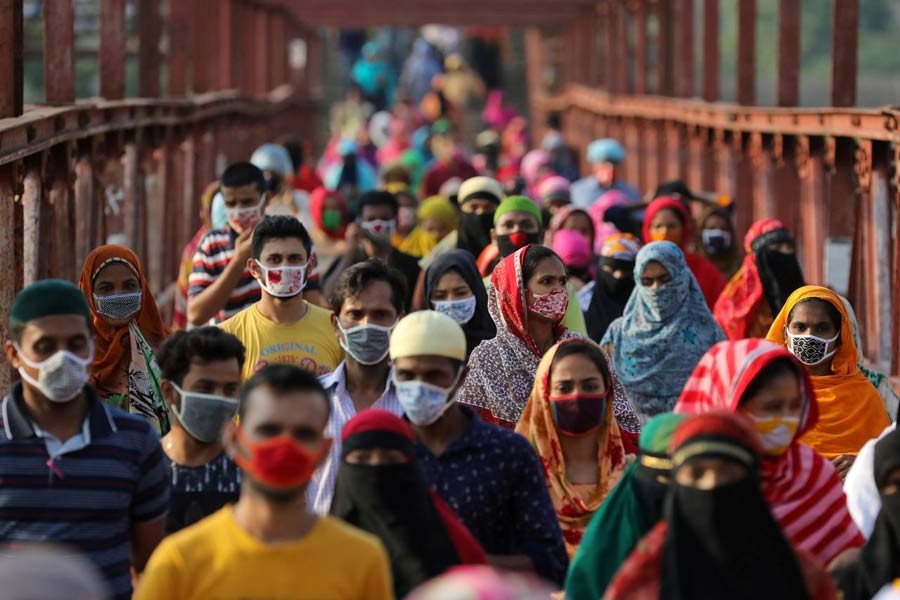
<point>830,173</point>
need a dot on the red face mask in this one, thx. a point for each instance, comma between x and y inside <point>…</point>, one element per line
<point>280,462</point>
<point>578,414</point>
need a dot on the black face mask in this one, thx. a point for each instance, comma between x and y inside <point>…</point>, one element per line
<point>508,243</point>
<point>475,231</point>
<point>615,288</point>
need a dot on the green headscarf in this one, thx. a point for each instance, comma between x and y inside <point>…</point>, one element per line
<point>518,203</point>
<point>622,520</point>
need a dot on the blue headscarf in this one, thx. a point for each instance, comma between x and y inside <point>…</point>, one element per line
<point>662,334</point>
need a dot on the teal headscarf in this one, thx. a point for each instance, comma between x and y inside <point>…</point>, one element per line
<point>624,517</point>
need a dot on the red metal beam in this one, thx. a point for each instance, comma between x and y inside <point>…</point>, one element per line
<point>640,53</point>
<point>684,81</point>
<point>278,49</point>
<point>665,47</point>
<point>746,67</point>
<point>179,42</point>
<point>261,66</point>
<point>461,12</point>
<point>112,49</point>
<point>711,50</point>
<point>844,50</point>
<point>149,29</point>
<point>59,47</point>
<point>11,81</point>
<point>226,45</point>
<point>789,53</point>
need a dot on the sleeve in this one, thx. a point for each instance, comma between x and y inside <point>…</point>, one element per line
<point>863,500</point>
<point>536,529</point>
<point>574,317</point>
<point>151,495</point>
<point>377,583</point>
<point>163,576</point>
<point>201,276</point>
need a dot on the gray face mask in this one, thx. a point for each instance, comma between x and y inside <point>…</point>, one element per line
<point>203,415</point>
<point>367,344</point>
<point>118,306</point>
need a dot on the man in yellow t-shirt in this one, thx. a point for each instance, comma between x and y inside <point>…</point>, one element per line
<point>270,544</point>
<point>283,328</point>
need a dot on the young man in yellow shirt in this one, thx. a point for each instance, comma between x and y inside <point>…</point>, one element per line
<point>283,328</point>
<point>270,544</point>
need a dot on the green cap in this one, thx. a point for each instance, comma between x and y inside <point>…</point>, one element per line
<point>46,298</point>
<point>518,203</point>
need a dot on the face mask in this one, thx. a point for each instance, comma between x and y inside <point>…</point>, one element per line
<point>665,236</point>
<point>61,377</point>
<point>406,217</point>
<point>776,433</point>
<point>552,306</point>
<point>118,306</point>
<point>367,344</point>
<point>202,415</point>
<point>283,282</point>
<point>716,241</point>
<point>424,403</point>
<point>810,349</point>
<point>331,219</point>
<point>475,231</point>
<point>280,462</point>
<point>615,288</point>
<point>460,311</point>
<point>578,414</point>
<point>243,219</point>
<point>663,301</point>
<point>508,243</point>
<point>379,231</point>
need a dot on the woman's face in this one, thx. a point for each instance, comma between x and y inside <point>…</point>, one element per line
<point>376,456</point>
<point>811,318</point>
<point>667,226</point>
<point>716,222</point>
<point>435,227</point>
<point>581,223</point>
<point>709,473</point>
<point>781,396</point>
<point>451,286</point>
<point>655,275</point>
<point>549,275</point>
<point>576,373</point>
<point>331,203</point>
<point>114,279</point>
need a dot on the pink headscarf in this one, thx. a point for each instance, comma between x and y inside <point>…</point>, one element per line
<point>602,229</point>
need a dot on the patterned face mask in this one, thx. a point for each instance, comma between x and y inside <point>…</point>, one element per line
<point>460,311</point>
<point>811,349</point>
<point>283,282</point>
<point>776,433</point>
<point>118,306</point>
<point>552,306</point>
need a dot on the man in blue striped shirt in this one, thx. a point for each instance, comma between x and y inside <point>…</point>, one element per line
<point>73,470</point>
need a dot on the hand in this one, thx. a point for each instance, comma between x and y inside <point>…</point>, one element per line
<point>353,237</point>
<point>842,464</point>
<point>243,246</point>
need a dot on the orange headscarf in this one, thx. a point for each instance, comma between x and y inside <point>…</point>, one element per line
<point>537,425</point>
<point>112,344</point>
<point>850,410</point>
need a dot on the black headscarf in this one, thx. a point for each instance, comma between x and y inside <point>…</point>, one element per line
<point>724,542</point>
<point>609,298</point>
<point>879,563</point>
<point>779,273</point>
<point>481,327</point>
<point>394,503</point>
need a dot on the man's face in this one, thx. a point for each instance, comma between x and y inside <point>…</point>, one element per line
<point>214,377</point>
<point>605,173</point>
<point>382,212</point>
<point>44,337</point>
<point>243,196</point>
<point>517,221</point>
<point>436,370</point>
<point>371,306</point>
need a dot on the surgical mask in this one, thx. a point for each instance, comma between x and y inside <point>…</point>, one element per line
<point>665,236</point>
<point>460,311</point>
<point>508,243</point>
<point>60,377</point>
<point>368,344</point>
<point>283,282</point>
<point>424,403</point>
<point>776,433</point>
<point>243,219</point>
<point>406,217</point>
<point>118,306</point>
<point>552,305</point>
<point>280,462</point>
<point>202,415</point>
<point>331,219</point>
<point>578,414</point>
<point>716,241</point>
<point>810,349</point>
<point>379,231</point>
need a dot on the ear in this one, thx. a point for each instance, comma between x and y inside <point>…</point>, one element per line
<point>12,355</point>
<point>493,236</point>
<point>254,269</point>
<point>334,324</point>
<point>229,438</point>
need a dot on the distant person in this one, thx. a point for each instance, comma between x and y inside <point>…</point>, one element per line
<point>605,156</point>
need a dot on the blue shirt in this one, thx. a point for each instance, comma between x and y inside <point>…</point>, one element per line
<point>493,480</point>
<point>90,493</point>
<point>587,189</point>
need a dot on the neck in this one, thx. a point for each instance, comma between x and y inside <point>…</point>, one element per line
<point>186,450</point>
<point>62,419</point>
<point>271,521</point>
<point>541,332</point>
<point>360,377</point>
<point>579,449</point>
<point>282,310</point>
<point>443,432</point>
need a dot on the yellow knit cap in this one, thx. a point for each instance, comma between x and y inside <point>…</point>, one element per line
<point>428,333</point>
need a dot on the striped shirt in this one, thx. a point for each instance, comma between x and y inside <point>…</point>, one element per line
<point>321,487</point>
<point>213,254</point>
<point>87,497</point>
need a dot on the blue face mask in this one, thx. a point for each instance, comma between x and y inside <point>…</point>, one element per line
<point>716,241</point>
<point>424,403</point>
<point>460,311</point>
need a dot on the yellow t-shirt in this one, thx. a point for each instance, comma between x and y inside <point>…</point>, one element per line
<point>215,559</point>
<point>309,343</point>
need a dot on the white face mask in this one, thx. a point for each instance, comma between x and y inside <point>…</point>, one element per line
<point>118,306</point>
<point>283,282</point>
<point>60,377</point>
<point>424,403</point>
<point>460,311</point>
<point>242,219</point>
<point>811,349</point>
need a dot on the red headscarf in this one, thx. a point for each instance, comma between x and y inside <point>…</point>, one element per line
<point>802,488</point>
<point>711,281</point>
<point>736,307</point>
<point>317,206</point>
<point>112,352</point>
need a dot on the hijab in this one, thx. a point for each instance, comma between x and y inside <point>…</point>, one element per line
<point>850,410</point>
<point>626,515</point>
<point>762,277</point>
<point>317,210</point>
<point>662,333</point>
<point>124,370</point>
<point>419,242</point>
<point>879,563</point>
<point>394,501</point>
<point>880,380</point>
<point>562,215</point>
<point>603,227</point>
<point>727,260</point>
<point>610,295</point>
<point>481,326</point>
<point>802,488</point>
<point>573,510</point>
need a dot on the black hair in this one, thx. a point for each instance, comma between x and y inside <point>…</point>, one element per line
<point>554,120</point>
<point>533,257</point>
<point>378,198</point>
<point>282,379</point>
<point>295,150</point>
<point>834,315</point>
<point>358,277</point>
<point>243,173</point>
<point>398,173</point>
<point>279,227</point>
<point>588,349</point>
<point>204,343</point>
<point>773,370</point>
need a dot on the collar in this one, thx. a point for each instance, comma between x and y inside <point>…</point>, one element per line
<point>336,381</point>
<point>17,423</point>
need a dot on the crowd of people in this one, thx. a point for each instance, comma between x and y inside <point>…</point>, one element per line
<point>416,368</point>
